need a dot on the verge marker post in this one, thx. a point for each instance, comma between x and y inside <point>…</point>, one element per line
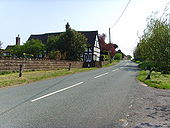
<point>20,70</point>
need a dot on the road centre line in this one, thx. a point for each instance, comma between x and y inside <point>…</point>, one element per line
<point>47,95</point>
<point>114,70</point>
<point>101,75</point>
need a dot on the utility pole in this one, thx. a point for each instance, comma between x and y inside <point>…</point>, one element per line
<point>109,36</point>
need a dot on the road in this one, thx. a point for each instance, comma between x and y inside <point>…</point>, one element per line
<point>93,99</point>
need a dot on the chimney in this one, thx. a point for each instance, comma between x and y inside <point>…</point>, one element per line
<point>18,40</point>
<point>67,26</point>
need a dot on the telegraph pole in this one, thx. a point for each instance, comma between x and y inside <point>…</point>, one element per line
<point>109,36</point>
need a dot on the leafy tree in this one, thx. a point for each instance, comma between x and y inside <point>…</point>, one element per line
<point>118,56</point>
<point>32,48</point>
<point>73,44</point>
<point>54,55</point>
<point>154,44</point>
<point>129,57</point>
<point>70,43</point>
<point>52,44</point>
<point>18,51</point>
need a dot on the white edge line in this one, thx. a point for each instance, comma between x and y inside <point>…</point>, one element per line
<point>47,95</point>
<point>101,75</point>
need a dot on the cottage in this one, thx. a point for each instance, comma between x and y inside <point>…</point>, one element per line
<point>93,51</point>
<point>7,51</point>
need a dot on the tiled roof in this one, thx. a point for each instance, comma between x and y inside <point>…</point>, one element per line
<point>90,35</point>
<point>9,47</point>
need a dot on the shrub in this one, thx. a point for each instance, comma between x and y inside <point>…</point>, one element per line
<point>118,56</point>
<point>146,65</point>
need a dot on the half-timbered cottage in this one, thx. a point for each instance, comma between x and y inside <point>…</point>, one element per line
<point>92,53</point>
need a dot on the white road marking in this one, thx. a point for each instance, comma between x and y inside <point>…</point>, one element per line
<point>47,95</point>
<point>114,70</point>
<point>101,75</point>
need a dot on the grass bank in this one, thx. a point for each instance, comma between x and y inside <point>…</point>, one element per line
<point>12,78</point>
<point>157,80</point>
<point>113,62</point>
<point>32,76</point>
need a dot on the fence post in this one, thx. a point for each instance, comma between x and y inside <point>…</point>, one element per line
<point>69,66</point>
<point>20,70</point>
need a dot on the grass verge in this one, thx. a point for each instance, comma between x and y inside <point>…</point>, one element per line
<point>157,80</point>
<point>32,76</point>
<point>12,78</point>
<point>114,62</point>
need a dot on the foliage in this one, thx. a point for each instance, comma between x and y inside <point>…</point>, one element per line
<point>32,76</point>
<point>51,45</point>
<point>158,80</point>
<point>18,51</point>
<point>107,47</point>
<point>105,56</point>
<point>32,48</point>
<point>118,56</point>
<point>129,57</point>
<point>54,55</point>
<point>154,44</point>
<point>146,65</point>
<point>71,43</point>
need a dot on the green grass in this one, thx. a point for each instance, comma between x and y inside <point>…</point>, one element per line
<point>32,76</point>
<point>114,62</point>
<point>12,78</point>
<point>157,80</point>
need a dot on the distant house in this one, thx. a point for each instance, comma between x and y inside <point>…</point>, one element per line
<point>7,51</point>
<point>93,51</point>
<point>1,52</point>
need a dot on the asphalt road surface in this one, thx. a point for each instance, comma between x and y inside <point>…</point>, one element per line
<point>93,99</point>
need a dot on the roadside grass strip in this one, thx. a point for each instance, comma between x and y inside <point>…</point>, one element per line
<point>33,76</point>
<point>157,80</point>
<point>12,79</point>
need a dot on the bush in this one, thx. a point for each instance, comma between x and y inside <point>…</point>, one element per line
<point>54,55</point>
<point>146,65</point>
<point>118,56</point>
<point>138,62</point>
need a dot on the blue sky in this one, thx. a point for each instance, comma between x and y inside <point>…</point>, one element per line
<point>26,17</point>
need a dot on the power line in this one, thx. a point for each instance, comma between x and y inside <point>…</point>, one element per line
<point>121,14</point>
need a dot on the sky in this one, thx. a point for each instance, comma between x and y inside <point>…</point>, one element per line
<point>26,17</point>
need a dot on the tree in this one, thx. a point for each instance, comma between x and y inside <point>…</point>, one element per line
<point>70,43</point>
<point>52,44</point>
<point>154,44</point>
<point>32,48</point>
<point>118,56</point>
<point>18,51</point>
<point>129,57</point>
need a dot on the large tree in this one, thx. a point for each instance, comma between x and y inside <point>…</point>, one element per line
<point>154,44</point>
<point>70,43</point>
